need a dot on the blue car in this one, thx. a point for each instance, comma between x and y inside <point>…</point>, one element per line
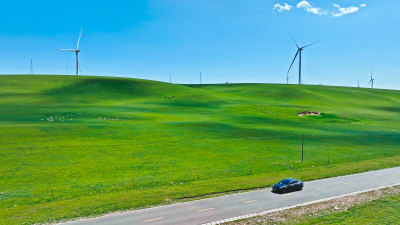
<point>287,185</point>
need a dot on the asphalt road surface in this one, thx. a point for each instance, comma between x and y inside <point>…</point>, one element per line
<point>219,208</point>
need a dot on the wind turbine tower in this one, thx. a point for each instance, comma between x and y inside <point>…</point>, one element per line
<point>67,68</point>
<point>200,77</point>
<point>358,83</point>
<point>298,53</point>
<point>371,81</point>
<point>76,50</point>
<point>31,69</point>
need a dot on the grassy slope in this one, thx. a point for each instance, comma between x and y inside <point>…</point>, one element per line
<point>381,211</point>
<point>159,133</point>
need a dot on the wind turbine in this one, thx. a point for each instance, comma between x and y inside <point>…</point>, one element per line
<point>76,50</point>
<point>371,81</point>
<point>358,83</point>
<point>298,53</point>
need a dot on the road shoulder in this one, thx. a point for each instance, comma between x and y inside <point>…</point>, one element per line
<point>321,210</point>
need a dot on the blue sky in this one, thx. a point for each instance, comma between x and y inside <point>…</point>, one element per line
<point>228,40</point>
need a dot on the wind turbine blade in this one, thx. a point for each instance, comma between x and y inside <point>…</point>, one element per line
<point>311,44</point>
<point>294,40</point>
<point>370,81</point>
<point>293,61</point>
<point>77,44</point>
<point>71,50</point>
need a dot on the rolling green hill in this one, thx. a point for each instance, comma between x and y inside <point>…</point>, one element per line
<point>78,146</point>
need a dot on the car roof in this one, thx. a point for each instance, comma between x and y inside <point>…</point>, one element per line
<point>288,179</point>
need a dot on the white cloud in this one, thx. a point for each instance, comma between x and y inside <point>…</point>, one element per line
<point>308,7</point>
<point>280,8</point>
<point>311,9</point>
<point>344,11</point>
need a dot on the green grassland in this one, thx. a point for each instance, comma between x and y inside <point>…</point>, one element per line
<point>105,144</point>
<point>381,211</point>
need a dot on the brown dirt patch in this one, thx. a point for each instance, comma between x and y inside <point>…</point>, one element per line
<point>309,113</point>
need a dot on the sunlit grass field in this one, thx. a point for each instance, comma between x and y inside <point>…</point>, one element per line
<point>75,146</point>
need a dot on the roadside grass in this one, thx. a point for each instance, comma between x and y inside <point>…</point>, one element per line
<point>381,211</point>
<point>380,206</point>
<point>107,144</point>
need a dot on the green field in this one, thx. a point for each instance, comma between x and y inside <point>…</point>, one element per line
<point>79,146</point>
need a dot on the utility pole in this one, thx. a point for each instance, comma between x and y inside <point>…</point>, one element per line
<point>302,148</point>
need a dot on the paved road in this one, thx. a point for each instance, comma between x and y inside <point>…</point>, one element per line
<point>215,209</point>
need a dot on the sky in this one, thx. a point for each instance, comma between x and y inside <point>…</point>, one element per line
<point>239,41</point>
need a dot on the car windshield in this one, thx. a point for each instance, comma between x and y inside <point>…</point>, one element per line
<point>284,182</point>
